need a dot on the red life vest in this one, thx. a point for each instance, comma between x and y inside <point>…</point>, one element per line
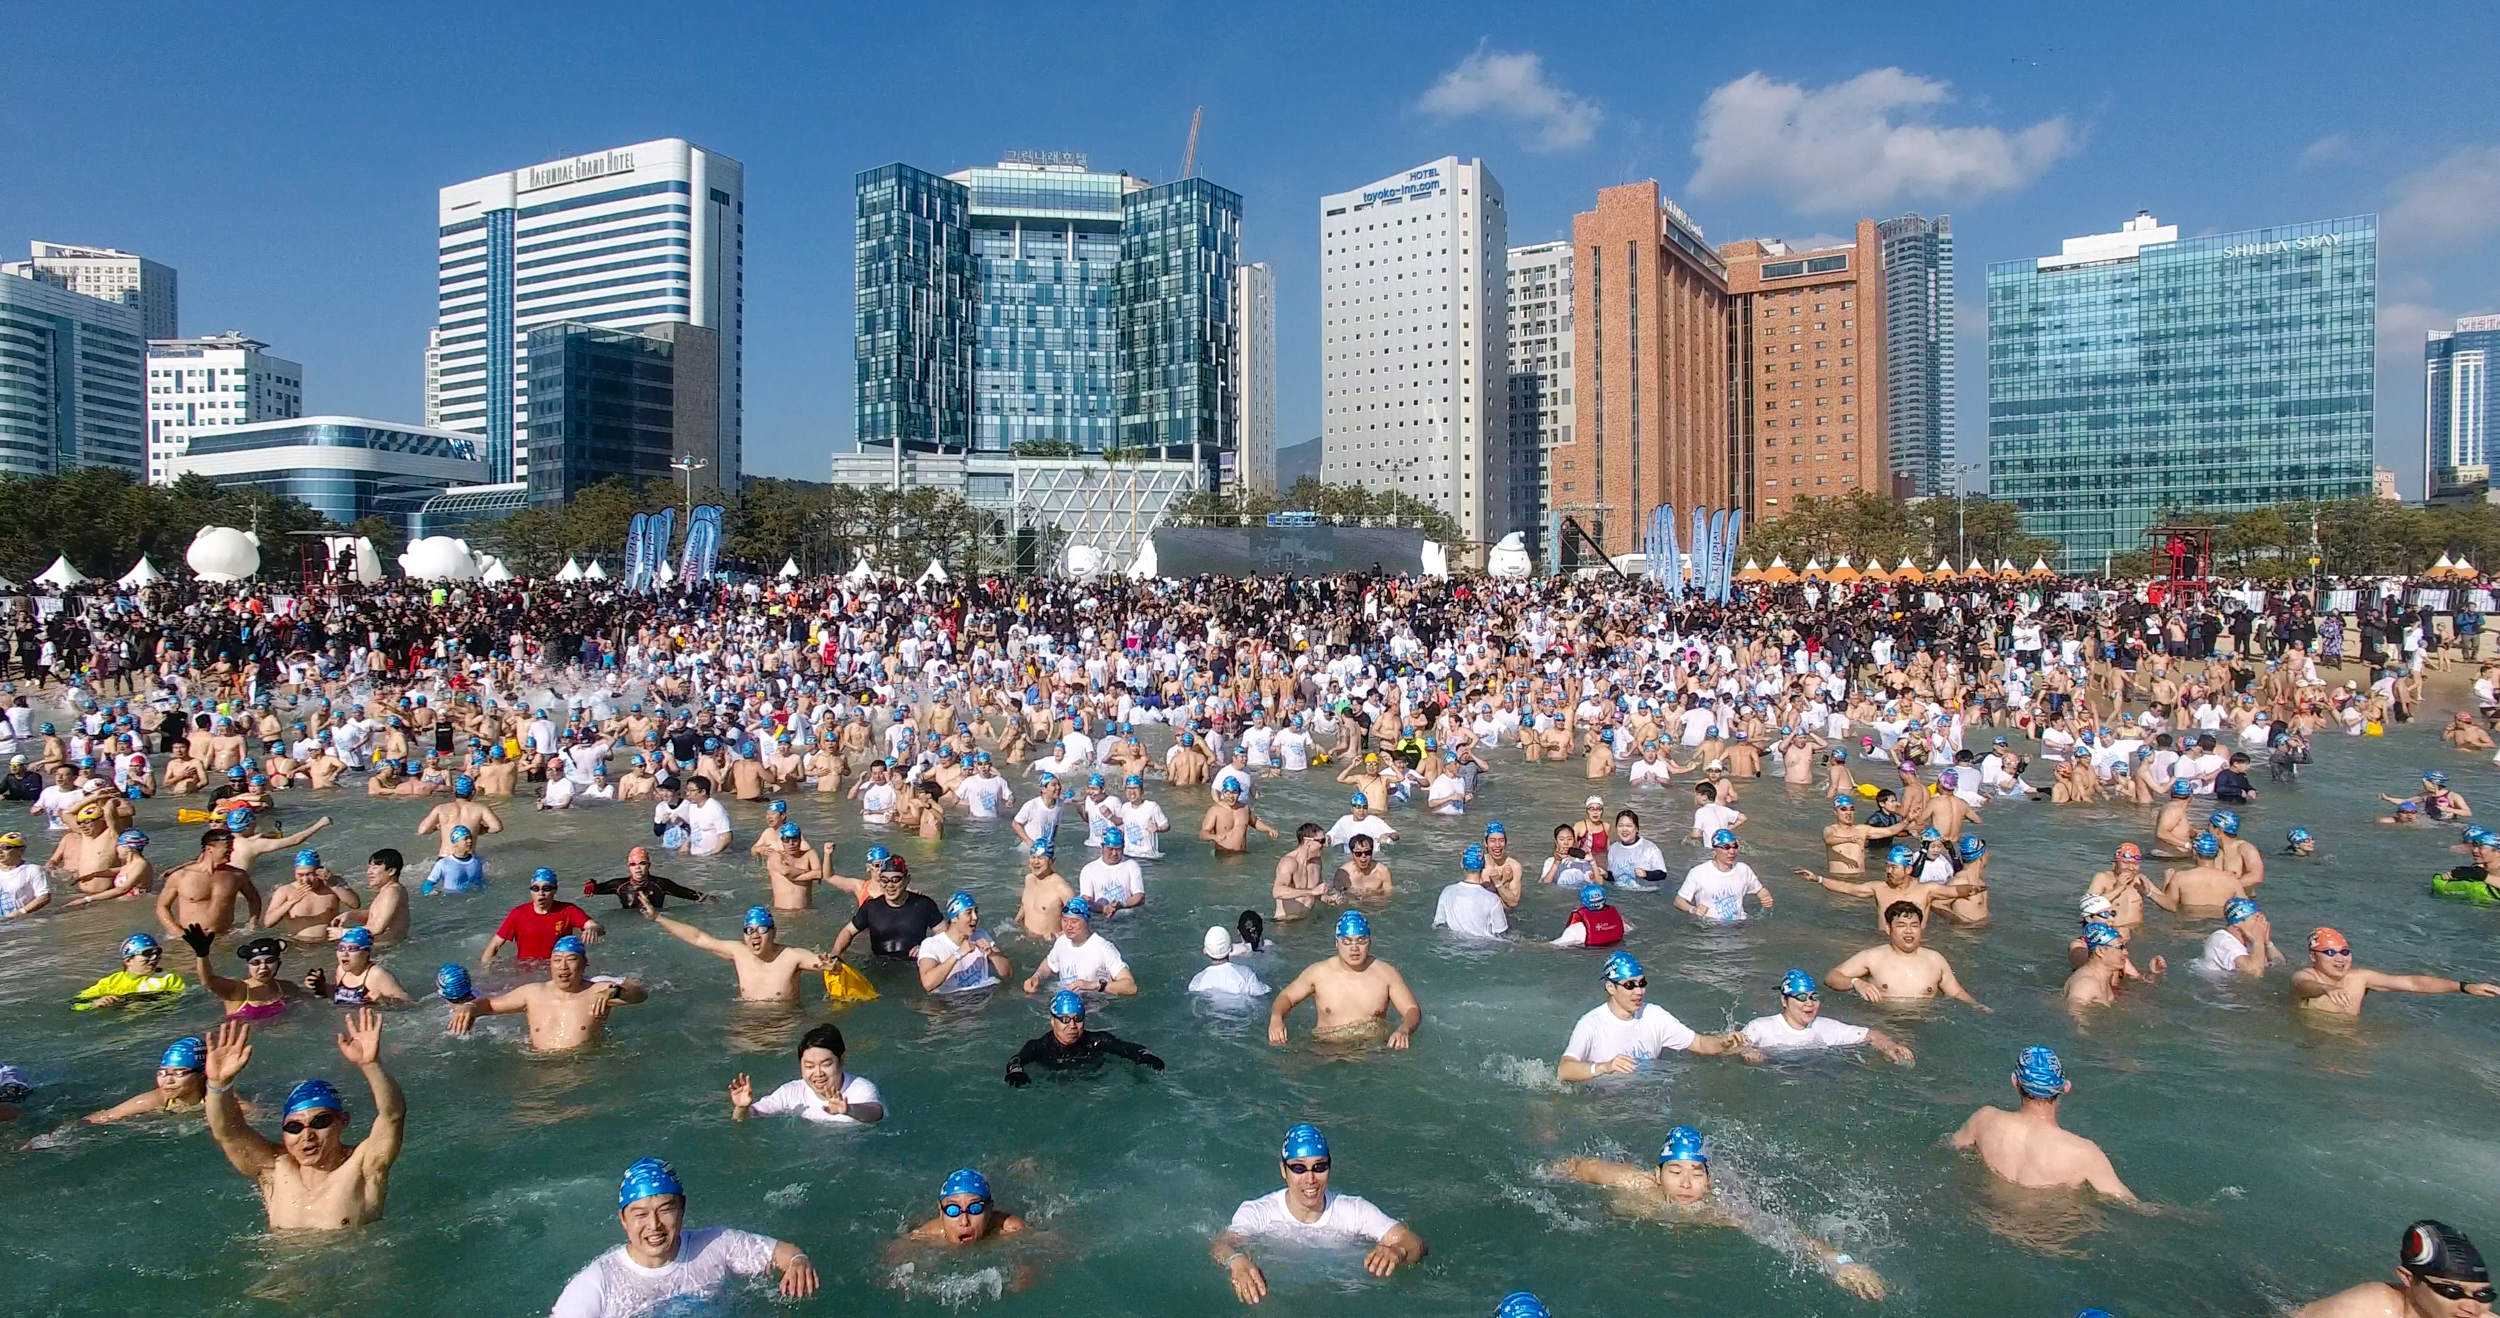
<point>1605,925</point>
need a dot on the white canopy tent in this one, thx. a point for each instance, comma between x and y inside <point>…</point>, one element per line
<point>789,569</point>
<point>936,573</point>
<point>572,571</point>
<point>496,573</point>
<point>143,573</point>
<point>61,575</point>
<point>594,572</point>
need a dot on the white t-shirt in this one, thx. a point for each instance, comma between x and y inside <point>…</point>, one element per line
<point>876,802</point>
<point>1139,821</point>
<point>1445,793</point>
<point>1471,909</point>
<point>1228,978</point>
<point>1602,1036</point>
<point>1095,959</point>
<point>21,886</point>
<point>709,825</point>
<point>1774,1032</point>
<point>1719,894</point>
<point>1293,749</point>
<point>971,968</point>
<point>2223,949</point>
<point>1347,826</point>
<point>983,794</point>
<point>1038,818</point>
<point>1100,881</point>
<point>1709,819</point>
<point>1342,1215</point>
<point>1652,772</point>
<point>1630,860</point>
<point>797,1097</point>
<point>614,1286</point>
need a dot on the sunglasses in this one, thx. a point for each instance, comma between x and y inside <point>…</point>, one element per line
<point>2331,951</point>
<point>1315,1167</point>
<point>318,1121</point>
<point>542,887</point>
<point>2449,1290</point>
<point>973,1209</point>
<point>1640,982</point>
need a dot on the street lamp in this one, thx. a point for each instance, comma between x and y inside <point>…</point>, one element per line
<point>1957,470</point>
<point>689,464</point>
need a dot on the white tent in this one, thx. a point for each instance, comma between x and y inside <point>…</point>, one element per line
<point>667,574</point>
<point>572,571</point>
<point>61,574</point>
<point>789,569</point>
<point>222,553</point>
<point>496,573</point>
<point>144,573</point>
<point>935,573</point>
<point>1509,559</point>
<point>594,572</point>
<point>860,571</point>
<point>1436,559</point>
<point>1146,568</point>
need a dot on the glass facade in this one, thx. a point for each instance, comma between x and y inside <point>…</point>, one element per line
<point>1918,352</point>
<point>2223,372</point>
<point>72,381</point>
<point>1048,248</point>
<point>913,327</point>
<point>345,469</point>
<point>499,351</point>
<point>602,403</point>
<point>1177,253</point>
<point>2459,400</point>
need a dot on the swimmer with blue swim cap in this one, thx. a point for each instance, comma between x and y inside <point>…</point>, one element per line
<point>565,1010</point>
<point>1352,991</point>
<point>2026,1146</point>
<point>967,1214</point>
<point>311,1178</point>
<point>1069,1046</point>
<point>180,1085</point>
<point>767,970</point>
<point>639,1275</point>
<point>1306,1210</point>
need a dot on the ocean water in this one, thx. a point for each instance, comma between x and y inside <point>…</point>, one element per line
<point>2283,1156</point>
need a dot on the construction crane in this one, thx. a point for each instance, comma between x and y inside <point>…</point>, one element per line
<point>1189,158</point>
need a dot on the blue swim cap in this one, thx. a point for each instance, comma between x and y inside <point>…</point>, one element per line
<point>1112,837</point>
<point>759,917</point>
<point>2298,835</point>
<point>1684,1144</point>
<point>1901,855</point>
<point>790,832</point>
<point>1520,1304</point>
<point>965,1181</point>
<point>238,818</point>
<point>1929,834</point>
<point>1353,925</point>
<point>879,855</point>
<point>1622,966</point>
<point>1796,984</point>
<point>1843,802</point>
<point>569,945</point>
<point>2182,787</point>
<point>1972,848</point>
<point>357,936</point>
<point>1359,799</point>
<point>958,904</point>
<point>1592,897</point>
<point>2226,820</point>
<point>1725,837</point>
<point>1066,1002</point>
<point>1133,781</point>
<point>137,943</point>
<point>314,1095</point>
<point>542,875</point>
<point>308,859</point>
<point>188,1053</point>
<point>1076,906</point>
<point>2237,909</point>
<point>461,833</point>
<point>781,807</point>
<point>1093,780</point>
<point>2038,1073</point>
<point>1304,1141</point>
<point>2097,934</point>
<point>463,785</point>
<point>647,1177</point>
<point>2208,845</point>
<point>1472,860</point>
<point>2436,778</point>
<point>1495,829</point>
<point>1043,846</point>
<point>452,981</point>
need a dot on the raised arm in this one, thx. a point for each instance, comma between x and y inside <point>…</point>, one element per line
<point>2380,979</point>
<point>688,934</point>
<point>360,1042</point>
<point>229,1048</point>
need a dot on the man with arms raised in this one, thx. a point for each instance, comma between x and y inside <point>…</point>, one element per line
<point>2026,1147</point>
<point>1845,839</point>
<point>1354,992</point>
<point>312,1179</point>
<point>767,971</point>
<point>565,1010</point>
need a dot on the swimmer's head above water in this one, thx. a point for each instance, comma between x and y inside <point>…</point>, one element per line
<point>2038,1075</point>
<point>314,1122</point>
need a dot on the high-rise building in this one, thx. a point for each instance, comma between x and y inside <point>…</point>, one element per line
<point>1043,304</point>
<point>1653,349</point>
<point>2137,372</point>
<point>198,385</point>
<point>72,380</point>
<point>1254,351</point>
<point>2459,400</point>
<point>607,402</point>
<point>434,377</point>
<point>626,239</point>
<point>1415,359</point>
<point>1541,410</point>
<point>115,276</point>
<point>1918,354</point>
<point>1805,389</point>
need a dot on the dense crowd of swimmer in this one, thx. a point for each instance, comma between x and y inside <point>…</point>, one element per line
<point>1034,703</point>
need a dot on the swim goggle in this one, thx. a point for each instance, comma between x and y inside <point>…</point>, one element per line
<point>1315,1167</point>
<point>1636,982</point>
<point>317,1121</point>
<point>2449,1290</point>
<point>973,1209</point>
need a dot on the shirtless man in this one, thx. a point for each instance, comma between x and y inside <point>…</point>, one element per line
<point>1502,872</point>
<point>2171,832</point>
<point>2026,1147</point>
<point>967,1215</point>
<point>1228,822</point>
<point>1046,894</point>
<point>2124,883</point>
<point>1354,992</point>
<point>1844,841</point>
<point>1187,765</point>
<point>2238,855</point>
<point>2439,1274</point>
<point>2201,888</point>
<point>1901,970</point>
<point>2106,965</point>
<point>1899,885</point>
<point>305,904</point>
<point>249,849</point>
<point>385,915</point>
<point>2332,983</point>
<point>565,1010</point>
<point>1298,884</point>
<point>85,852</point>
<point>1364,876</point>
<point>132,876</point>
<point>795,869</point>
<point>767,971</point>
<point>1365,776</point>
<point>312,1178</point>
<point>463,809</point>
<point>203,891</point>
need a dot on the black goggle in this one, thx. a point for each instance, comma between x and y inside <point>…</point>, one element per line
<point>973,1209</point>
<point>317,1121</point>
<point>2449,1290</point>
<point>1637,982</point>
<point>1315,1167</point>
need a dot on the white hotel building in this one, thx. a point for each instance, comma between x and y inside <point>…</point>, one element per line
<point>215,383</point>
<point>621,239</point>
<point>1414,275</point>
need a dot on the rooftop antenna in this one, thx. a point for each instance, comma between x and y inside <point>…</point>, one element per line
<point>1189,158</point>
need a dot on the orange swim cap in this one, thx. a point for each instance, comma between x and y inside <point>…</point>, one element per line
<point>2324,939</point>
<point>2129,851</point>
<point>642,854</point>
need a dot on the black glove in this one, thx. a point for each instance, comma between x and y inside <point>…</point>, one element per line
<point>198,940</point>
<point>315,984</point>
<point>1153,1061</point>
<point>1018,1079</point>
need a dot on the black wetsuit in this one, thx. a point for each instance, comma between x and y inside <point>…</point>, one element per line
<point>655,890</point>
<point>1087,1052</point>
<point>896,929</point>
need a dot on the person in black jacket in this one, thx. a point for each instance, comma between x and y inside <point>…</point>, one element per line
<point>1069,1045</point>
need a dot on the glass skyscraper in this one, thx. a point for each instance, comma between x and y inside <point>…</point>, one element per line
<point>1041,302</point>
<point>2459,400</point>
<point>2137,373</point>
<point>72,380</point>
<point>1918,353</point>
<point>609,402</point>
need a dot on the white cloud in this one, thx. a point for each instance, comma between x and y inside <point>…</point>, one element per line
<point>2326,150</point>
<point>1860,145</point>
<point>1513,87</point>
<point>2455,200</point>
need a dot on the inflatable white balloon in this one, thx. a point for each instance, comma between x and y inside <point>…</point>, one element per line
<point>1084,562</point>
<point>439,558</point>
<point>1509,559</point>
<point>222,553</point>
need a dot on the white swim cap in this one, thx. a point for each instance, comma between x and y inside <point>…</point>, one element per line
<point>1219,942</point>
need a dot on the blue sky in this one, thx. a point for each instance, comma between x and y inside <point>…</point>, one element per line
<point>285,157</point>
